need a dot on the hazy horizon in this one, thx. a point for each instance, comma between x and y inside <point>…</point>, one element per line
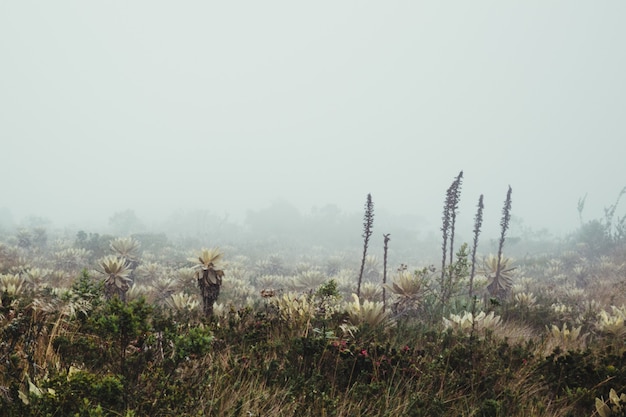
<point>229,107</point>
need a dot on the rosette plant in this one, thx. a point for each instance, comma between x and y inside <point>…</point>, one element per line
<point>128,248</point>
<point>209,278</point>
<point>499,273</point>
<point>116,272</point>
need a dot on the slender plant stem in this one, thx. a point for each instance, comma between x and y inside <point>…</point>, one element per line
<point>368,223</point>
<point>478,221</point>
<point>504,225</point>
<point>386,248</point>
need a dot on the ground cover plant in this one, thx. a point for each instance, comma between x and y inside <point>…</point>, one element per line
<point>100,325</point>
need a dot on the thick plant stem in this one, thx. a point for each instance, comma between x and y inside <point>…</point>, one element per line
<point>209,281</point>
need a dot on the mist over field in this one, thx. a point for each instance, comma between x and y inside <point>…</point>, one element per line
<point>235,109</point>
<point>275,208</point>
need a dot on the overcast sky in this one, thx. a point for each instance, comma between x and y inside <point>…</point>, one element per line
<point>156,106</point>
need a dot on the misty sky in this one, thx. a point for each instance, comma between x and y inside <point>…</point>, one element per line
<point>227,106</point>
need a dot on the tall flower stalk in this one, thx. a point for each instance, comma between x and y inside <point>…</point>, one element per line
<point>368,224</point>
<point>386,248</point>
<point>495,288</point>
<point>454,195</point>
<point>450,209</point>
<point>478,221</point>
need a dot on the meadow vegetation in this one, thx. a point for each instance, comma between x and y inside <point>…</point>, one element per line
<point>143,325</point>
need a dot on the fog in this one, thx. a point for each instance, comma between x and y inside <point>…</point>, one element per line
<point>166,108</point>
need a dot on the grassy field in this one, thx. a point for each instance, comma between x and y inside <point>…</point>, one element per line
<point>101,325</point>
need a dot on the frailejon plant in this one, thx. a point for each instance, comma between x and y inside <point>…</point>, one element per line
<point>367,313</point>
<point>126,247</point>
<point>163,288</point>
<point>116,273</point>
<point>12,284</point>
<point>371,291</point>
<point>468,322</point>
<point>525,301</point>
<point>368,224</point>
<point>182,302</point>
<point>209,278</point>
<point>149,271</point>
<point>37,278</point>
<point>565,337</point>
<point>612,325</point>
<point>408,289</point>
<point>616,406</point>
<point>296,311</point>
<point>71,259</point>
<point>499,272</point>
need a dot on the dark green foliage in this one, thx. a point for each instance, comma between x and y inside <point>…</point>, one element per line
<point>81,349</point>
<point>97,245</point>
<point>582,375</point>
<point>87,289</point>
<point>327,291</point>
<point>449,289</point>
<point>131,351</point>
<point>192,344</point>
<point>490,408</point>
<point>78,394</point>
<point>124,326</point>
<point>136,359</point>
<point>107,358</point>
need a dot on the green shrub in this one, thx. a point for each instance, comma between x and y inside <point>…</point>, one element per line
<point>194,343</point>
<point>80,393</point>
